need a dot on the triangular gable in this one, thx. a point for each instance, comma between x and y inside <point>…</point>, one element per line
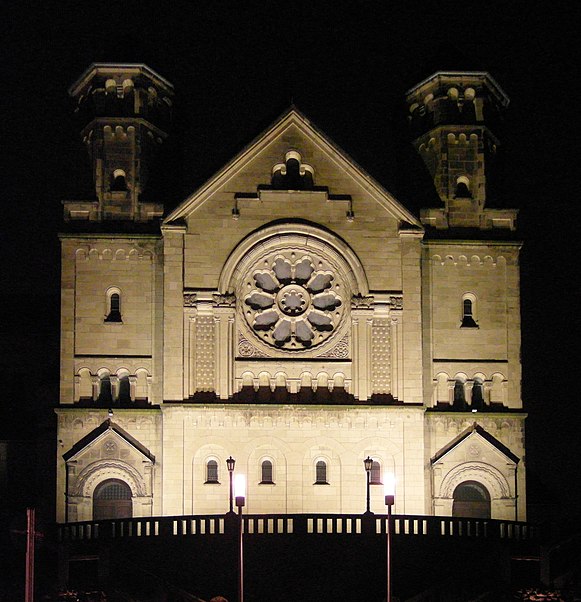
<point>99,433</point>
<point>294,118</point>
<point>475,431</point>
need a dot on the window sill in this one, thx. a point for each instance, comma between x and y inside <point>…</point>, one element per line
<point>267,483</point>
<point>320,483</point>
<point>212,483</point>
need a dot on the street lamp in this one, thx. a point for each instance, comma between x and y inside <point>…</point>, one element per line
<point>240,492</point>
<point>368,463</point>
<point>389,490</point>
<point>230,463</point>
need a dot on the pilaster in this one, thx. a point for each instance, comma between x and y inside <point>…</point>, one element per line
<point>173,331</point>
<point>411,330</point>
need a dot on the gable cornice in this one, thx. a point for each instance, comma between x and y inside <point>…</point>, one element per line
<point>98,433</point>
<point>475,428</point>
<point>293,117</point>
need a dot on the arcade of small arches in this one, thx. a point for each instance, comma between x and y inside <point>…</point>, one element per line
<point>105,387</point>
<point>306,380</point>
<point>122,254</point>
<point>461,392</point>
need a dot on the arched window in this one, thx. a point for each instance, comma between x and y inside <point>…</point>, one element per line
<point>119,181</point>
<point>212,471</point>
<point>477,394</point>
<point>112,499</point>
<point>459,395</point>
<point>375,473</point>
<point>124,389</point>
<point>321,473</point>
<point>469,311</point>
<point>463,188</point>
<point>141,386</point>
<point>266,473</point>
<point>472,500</point>
<point>113,305</point>
<point>105,393</point>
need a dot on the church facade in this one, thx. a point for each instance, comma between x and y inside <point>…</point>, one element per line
<point>290,314</point>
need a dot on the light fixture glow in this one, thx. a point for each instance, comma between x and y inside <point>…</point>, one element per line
<point>389,484</point>
<point>240,485</point>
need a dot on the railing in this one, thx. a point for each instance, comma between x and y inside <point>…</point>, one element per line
<point>304,524</point>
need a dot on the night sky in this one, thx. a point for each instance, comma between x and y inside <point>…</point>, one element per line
<point>236,66</point>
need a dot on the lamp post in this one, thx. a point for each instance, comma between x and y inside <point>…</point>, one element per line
<point>230,463</point>
<point>240,492</point>
<point>389,490</point>
<point>368,463</point>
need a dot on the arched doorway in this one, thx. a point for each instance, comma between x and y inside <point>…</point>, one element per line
<point>471,500</point>
<point>112,499</point>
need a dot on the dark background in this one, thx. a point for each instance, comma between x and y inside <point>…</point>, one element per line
<point>236,66</point>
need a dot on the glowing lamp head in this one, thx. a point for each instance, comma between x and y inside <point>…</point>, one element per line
<point>389,488</point>
<point>240,489</point>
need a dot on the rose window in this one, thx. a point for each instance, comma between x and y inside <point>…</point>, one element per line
<point>293,304</point>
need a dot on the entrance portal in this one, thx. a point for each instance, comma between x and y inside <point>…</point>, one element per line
<point>112,499</point>
<point>471,500</point>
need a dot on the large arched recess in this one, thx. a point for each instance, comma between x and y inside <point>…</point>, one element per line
<point>306,236</point>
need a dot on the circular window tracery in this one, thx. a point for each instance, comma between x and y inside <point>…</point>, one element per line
<point>294,302</point>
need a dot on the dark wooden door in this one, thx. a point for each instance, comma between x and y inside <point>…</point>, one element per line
<point>112,499</point>
<point>471,500</point>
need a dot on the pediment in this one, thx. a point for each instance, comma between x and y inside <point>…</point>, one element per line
<point>262,172</point>
<point>108,440</point>
<point>474,444</point>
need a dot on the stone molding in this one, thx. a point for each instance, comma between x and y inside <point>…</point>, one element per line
<point>486,474</point>
<point>102,470</point>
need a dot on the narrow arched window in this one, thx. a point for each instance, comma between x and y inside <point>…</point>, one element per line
<point>105,392</point>
<point>113,306</point>
<point>477,394</point>
<point>463,188</point>
<point>266,472</point>
<point>459,395</point>
<point>124,389</point>
<point>468,311</point>
<point>212,471</point>
<point>118,181</point>
<point>375,473</point>
<point>468,308</point>
<point>321,473</point>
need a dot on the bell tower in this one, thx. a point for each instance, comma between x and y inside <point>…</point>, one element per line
<point>453,115</point>
<point>125,112</point>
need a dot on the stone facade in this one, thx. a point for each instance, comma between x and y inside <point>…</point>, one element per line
<point>292,314</point>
